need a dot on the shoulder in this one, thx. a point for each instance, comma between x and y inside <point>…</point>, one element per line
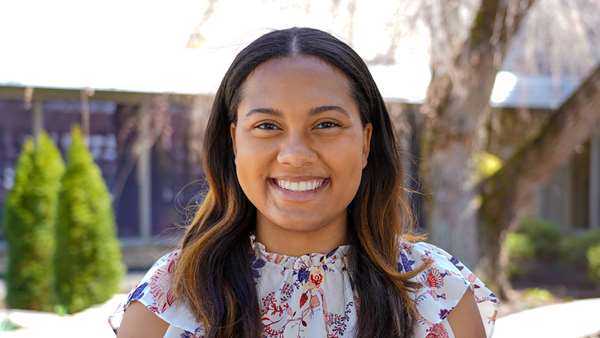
<point>445,283</point>
<point>155,292</point>
<point>138,321</point>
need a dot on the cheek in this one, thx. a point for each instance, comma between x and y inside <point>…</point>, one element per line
<point>252,168</point>
<point>345,160</point>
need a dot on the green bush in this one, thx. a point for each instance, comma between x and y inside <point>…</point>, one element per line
<point>8,325</point>
<point>534,297</point>
<point>543,235</point>
<point>88,265</point>
<point>573,249</point>
<point>29,217</point>
<point>533,238</point>
<point>593,259</point>
<point>519,249</point>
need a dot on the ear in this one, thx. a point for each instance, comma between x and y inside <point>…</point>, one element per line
<point>367,132</point>
<point>232,127</point>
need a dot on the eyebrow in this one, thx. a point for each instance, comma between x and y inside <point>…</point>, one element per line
<point>312,111</point>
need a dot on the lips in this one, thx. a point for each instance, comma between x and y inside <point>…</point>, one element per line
<point>304,185</point>
<point>299,189</point>
<point>298,178</point>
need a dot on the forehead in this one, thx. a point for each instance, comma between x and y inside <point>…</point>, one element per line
<point>296,82</point>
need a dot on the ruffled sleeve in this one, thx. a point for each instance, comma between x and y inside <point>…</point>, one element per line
<point>155,291</point>
<point>444,284</point>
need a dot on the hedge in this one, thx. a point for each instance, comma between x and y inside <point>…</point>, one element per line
<point>88,264</point>
<point>29,225</point>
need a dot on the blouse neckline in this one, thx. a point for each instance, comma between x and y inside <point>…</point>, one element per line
<point>334,258</point>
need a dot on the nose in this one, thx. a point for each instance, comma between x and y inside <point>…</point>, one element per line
<point>296,153</point>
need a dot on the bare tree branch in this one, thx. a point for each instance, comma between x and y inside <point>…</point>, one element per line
<point>496,22</point>
<point>505,193</point>
<point>470,77</point>
<point>538,159</point>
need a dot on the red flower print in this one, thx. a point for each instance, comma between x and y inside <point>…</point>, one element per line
<point>160,286</point>
<point>171,266</point>
<point>434,278</point>
<point>316,279</point>
<point>303,298</point>
<point>437,331</point>
<point>276,309</point>
<point>169,301</point>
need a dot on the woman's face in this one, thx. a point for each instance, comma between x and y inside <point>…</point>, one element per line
<point>299,143</point>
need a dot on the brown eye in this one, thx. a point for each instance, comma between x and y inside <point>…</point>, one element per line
<point>266,126</point>
<point>327,124</point>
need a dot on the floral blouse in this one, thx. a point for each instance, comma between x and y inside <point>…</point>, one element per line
<point>312,295</point>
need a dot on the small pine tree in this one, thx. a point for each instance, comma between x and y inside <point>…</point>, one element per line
<point>88,261</point>
<point>29,216</point>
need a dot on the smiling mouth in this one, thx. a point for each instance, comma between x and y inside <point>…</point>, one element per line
<point>300,186</point>
<point>303,190</point>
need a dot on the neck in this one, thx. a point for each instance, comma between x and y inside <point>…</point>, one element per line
<point>292,242</point>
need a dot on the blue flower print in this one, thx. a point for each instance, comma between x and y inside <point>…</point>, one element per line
<point>303,275</point>
<point>256,264</point>
<point>407,264</point>
<point>138,292</point>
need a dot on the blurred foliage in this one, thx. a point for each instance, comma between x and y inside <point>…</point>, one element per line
<point>536,239</point>
<point>60,310</point>
<point>29,216</point>
<point>593,259</point>
<point>88,266</point>
<point>520,249</point>
<point>7,325</point>
<point>544,235</point>
<point>537,296</point>
<point>573,249</point>
<point>533,238</point>
<point>534,297</point>
<point>487,163</point>
<point>484,165</point>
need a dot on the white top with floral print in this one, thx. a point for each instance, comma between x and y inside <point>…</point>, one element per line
<point>313,295</point>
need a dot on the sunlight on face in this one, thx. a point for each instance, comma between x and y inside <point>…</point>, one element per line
<point>299,142</point>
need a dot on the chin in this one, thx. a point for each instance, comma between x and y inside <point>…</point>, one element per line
<point>299,224</point>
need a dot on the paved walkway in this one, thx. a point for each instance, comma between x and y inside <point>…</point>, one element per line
<point>91,323</point>
<point>576,319</point>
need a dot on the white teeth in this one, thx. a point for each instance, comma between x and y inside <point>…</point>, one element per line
<point>300,186</point>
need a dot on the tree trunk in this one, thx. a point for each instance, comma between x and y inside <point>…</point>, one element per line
<point>456,106</point>
<point>514,185</point>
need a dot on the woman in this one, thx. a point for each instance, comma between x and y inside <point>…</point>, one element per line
<point>300,234</point>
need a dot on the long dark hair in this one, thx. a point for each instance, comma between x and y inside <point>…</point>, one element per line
<point>213,273</point>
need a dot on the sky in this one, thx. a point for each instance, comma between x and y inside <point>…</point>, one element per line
<point>120,44</point>
<point>133,45</point>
